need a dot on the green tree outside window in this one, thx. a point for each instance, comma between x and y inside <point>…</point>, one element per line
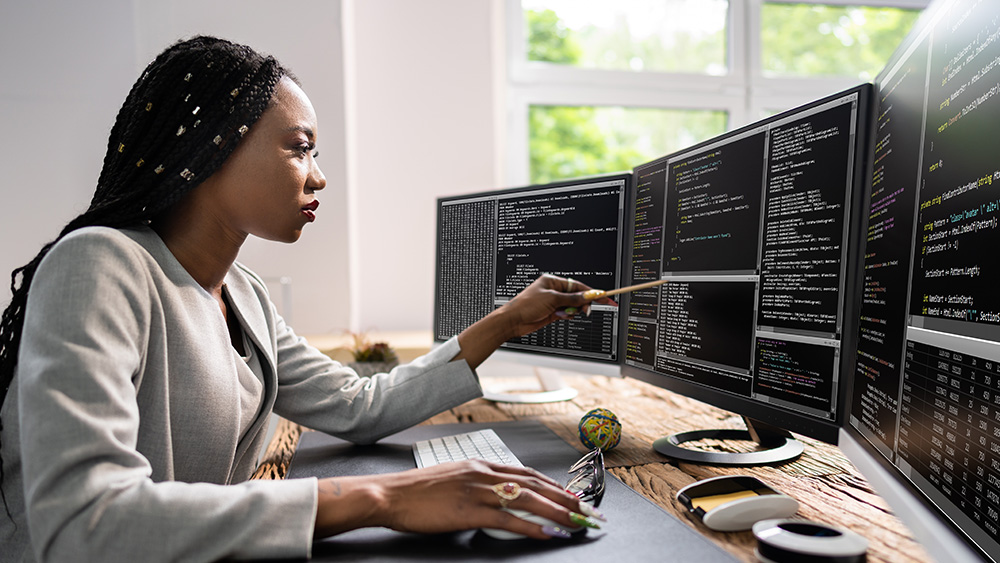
<point>821,40</point>
<point>799,40</point>
<point>573,141</point>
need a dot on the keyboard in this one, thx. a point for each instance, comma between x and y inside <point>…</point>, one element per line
<point>480,444</point>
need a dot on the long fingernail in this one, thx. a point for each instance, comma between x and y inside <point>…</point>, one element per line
<point>590,510</point>
<point>554,532</point>
<point>581,520</point>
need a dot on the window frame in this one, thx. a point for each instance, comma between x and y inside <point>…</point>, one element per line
<point>745,92</point>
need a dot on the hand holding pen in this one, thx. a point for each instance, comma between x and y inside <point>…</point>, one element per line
<point>546,300</point>
<point>595,294</point>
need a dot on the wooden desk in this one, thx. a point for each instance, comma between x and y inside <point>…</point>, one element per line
<point>827,486</point>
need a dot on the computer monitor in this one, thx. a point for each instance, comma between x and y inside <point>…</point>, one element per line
<point>924,418</point>
<point>491,245</point>
<point>754,230</point>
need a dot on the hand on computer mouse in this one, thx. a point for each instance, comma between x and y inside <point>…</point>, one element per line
<point>534,519</point>
<point>451,497</point>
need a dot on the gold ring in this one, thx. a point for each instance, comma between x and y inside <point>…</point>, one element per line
<point>507,492</point>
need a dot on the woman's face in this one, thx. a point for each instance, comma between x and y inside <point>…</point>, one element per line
<point>267,186</point>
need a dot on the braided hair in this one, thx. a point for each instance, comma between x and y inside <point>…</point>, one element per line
<point>181,120</point>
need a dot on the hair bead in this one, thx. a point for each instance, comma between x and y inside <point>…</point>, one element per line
<point>217,140</point>
<point>121,147</point>
<point>243,130</point>
<point>195,124</point>
<point>187,174</point>
<point>149,106</point>
<point>140,163</point>
<point>158,169</point>
<point>196,110</point>
<point>235,92</point>
<point>181,130</point>
<point>187,77</point>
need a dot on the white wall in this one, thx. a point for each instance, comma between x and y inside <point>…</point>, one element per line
<point>306,37</point>
<point>422,122</point>
<point>65,68</point>
<point>422,100</point>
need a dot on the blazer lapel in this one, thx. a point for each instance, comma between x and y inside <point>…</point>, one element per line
<point>250,312</point>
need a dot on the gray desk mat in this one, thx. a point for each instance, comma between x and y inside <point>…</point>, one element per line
<point>637,529</point>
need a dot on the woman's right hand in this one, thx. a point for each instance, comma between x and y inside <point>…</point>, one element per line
<point>446,498</point>
<point>546,300</point>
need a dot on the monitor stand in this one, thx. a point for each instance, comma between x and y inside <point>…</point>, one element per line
<point>553,389</point>
<point>778,445</point>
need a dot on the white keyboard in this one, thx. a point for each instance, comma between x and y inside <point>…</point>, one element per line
<point>480,444</point>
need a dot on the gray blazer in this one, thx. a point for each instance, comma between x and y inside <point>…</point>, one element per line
<point>121,431</point>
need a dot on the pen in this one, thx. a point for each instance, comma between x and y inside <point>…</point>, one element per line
<point>599,293</point>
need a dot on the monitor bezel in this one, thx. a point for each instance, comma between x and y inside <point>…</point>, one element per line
<point>800,423</point>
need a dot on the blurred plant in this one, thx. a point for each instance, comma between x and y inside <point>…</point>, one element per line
<point>364,350</point>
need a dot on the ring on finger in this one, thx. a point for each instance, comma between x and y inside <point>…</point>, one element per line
<point>570,284</point>
<point>507,492</point>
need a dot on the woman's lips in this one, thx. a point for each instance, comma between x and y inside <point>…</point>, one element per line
<point>310,210</point>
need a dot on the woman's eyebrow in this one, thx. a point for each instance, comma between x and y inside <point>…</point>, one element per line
<point>303,129</point>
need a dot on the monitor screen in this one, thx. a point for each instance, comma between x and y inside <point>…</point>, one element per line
<point>491,245</point>
<point>753,230</point>
<point>925,404</point>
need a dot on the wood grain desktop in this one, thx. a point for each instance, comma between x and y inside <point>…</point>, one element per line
<point>828,487</point>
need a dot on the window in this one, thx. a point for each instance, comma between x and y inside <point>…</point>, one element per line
<point>598,86</point>
<point>825,40</point>
<point>573,141</point>
<point>638,35</point>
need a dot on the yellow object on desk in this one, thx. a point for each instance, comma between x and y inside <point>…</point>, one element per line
<point>708,503</point>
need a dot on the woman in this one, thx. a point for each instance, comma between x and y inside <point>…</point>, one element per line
<point>140,362</point>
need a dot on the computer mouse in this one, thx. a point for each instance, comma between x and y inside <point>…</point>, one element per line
<point>523,515</point>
